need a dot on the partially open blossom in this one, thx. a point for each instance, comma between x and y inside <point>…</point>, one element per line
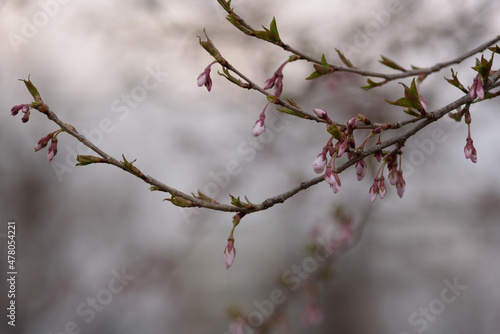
<point>43,141</point>
<point>400,184</point>
<point>470,150</point>
<point>229,252</point>
<point>360,169</point>
<point>52,149</point>
<point>320,163</point>
<point>477,89</point>
<point>312,313</point>
<point>204,78</point>
<point>374,190</point>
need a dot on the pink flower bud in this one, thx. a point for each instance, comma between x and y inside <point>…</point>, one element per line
<point>470,150</point>
<point>26,116</point>
<point>52,149</point>
<point>360,169</point>
<point>320,163</point>
<point>204,78</point>
<point>229,252</point>
<point>401,184</point>
<point>259,127</point>
<point>278,88</point>
<point>332,178</point>
<point>270,82</point>
<point>352,124</point>
<point>320,113</point>
<point>393,176</point>
<point>43,142</point>
<point>342,148</point>
<point>15,109</point>
<point>374,190</point>
<point>381,188</point>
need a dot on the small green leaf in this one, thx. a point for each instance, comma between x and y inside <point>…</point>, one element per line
<point>334,130</point>
<point>130,167</point>
<point>373,84</point>
<point>390,63</point>
<point>411,100</point>
<point>346,61</point>
<point>483,66</point>
<point>324,62</point>
<point>236,201</point>
<point>32,89</point>
<point>289,111</point>
<point>455,82</point>
<point>293,103</point>
<point>274,28</point>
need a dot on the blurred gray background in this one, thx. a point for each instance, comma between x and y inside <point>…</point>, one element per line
<point>80,227</point>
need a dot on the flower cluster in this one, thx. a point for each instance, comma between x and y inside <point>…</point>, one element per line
<point>25,108</point>
<point>345,141</point>
<point>395,176</point>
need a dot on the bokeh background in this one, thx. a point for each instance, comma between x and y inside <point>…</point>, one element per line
<point>79,227</point>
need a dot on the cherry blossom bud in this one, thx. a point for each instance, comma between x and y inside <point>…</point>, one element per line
<point>381,188</point>
<point>320,113</point>
<point>259,127</point>
<point>43,142</point>
<point>229,252</point>
<point>393,176</point>
<point>470,150</point>
<point>332,178</point>
<point>477,88</point>
<point>52,149</point>
<point>270,82</point>
<point>401,184</point>
<point>15,109</point>
<point>352,124</point>
<point>320,163</point>
<point>278,88</point>
<point>360,169</point>
<point>204,78</point>
<point>26,116</point>
<point>342,148</point>
<point>312,314</point>
<point>378,155</point>
<point>374,190</point>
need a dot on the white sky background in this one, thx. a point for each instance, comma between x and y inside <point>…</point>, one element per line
<point>97,219</point>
